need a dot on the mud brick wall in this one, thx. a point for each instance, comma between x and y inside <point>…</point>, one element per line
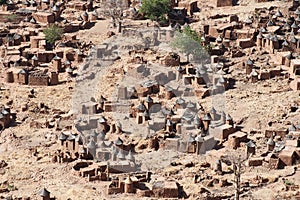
<point>245,43</point>
<point>281,133</point>
<point>113,190</point>
<point>221,3</point>
<point>265,75</point>
<point>38,80</point>
<point>273,163</point>
<point>295,84</point>
<point>255,162</point>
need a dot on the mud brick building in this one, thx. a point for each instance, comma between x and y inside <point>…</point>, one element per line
<point>44,194</point>
<point>35,41</point>
<point>20,76</point>
<point>38,78</point>
<point>139,186</point>
<point>295,84</point>
<point>295,67</point>
<point>190,6</point>
<point>70,148</point>
<point>165,189</point>
<point>222,3</point>
<point>44,17</point>
<point>54,78</point>
<point>287,157</point>
<point>34,78</point>
<point>79,5</point>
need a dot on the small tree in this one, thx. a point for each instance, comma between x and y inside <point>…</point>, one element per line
<point>115,9</point>
<point>237,158</point>
<point>189,42</point>
<point>53,33</point>
<point>155,9</point>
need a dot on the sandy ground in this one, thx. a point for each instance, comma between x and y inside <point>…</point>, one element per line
<point>96,34</point>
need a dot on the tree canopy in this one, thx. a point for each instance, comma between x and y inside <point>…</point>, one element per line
<point>53,33</point>
<point>189,42</point>
<point>155,9</point>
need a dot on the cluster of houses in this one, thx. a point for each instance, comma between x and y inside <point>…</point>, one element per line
<point>163,102</point>
<point>278,148</point>
<point>94,157</point>
<point>172,120</point>
<point>27,56</point>
<point>274,31</point>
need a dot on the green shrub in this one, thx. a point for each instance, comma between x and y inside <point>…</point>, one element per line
<point>155,9</point>
<point>53,33</point>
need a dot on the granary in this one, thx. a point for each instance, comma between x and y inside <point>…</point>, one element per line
<point>20,76</point>
<point>253,76</point>
<point>271,143</point>
<point>5,117</point>
<point>34,60</point>
<point>250,148</point>
<point>44,194</point>
<point>273,161</point>
<point>249,66</point>
<point>57,63</point>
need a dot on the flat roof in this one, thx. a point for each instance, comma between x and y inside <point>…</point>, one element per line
<point>296,61</point>
<point>43,13</point>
